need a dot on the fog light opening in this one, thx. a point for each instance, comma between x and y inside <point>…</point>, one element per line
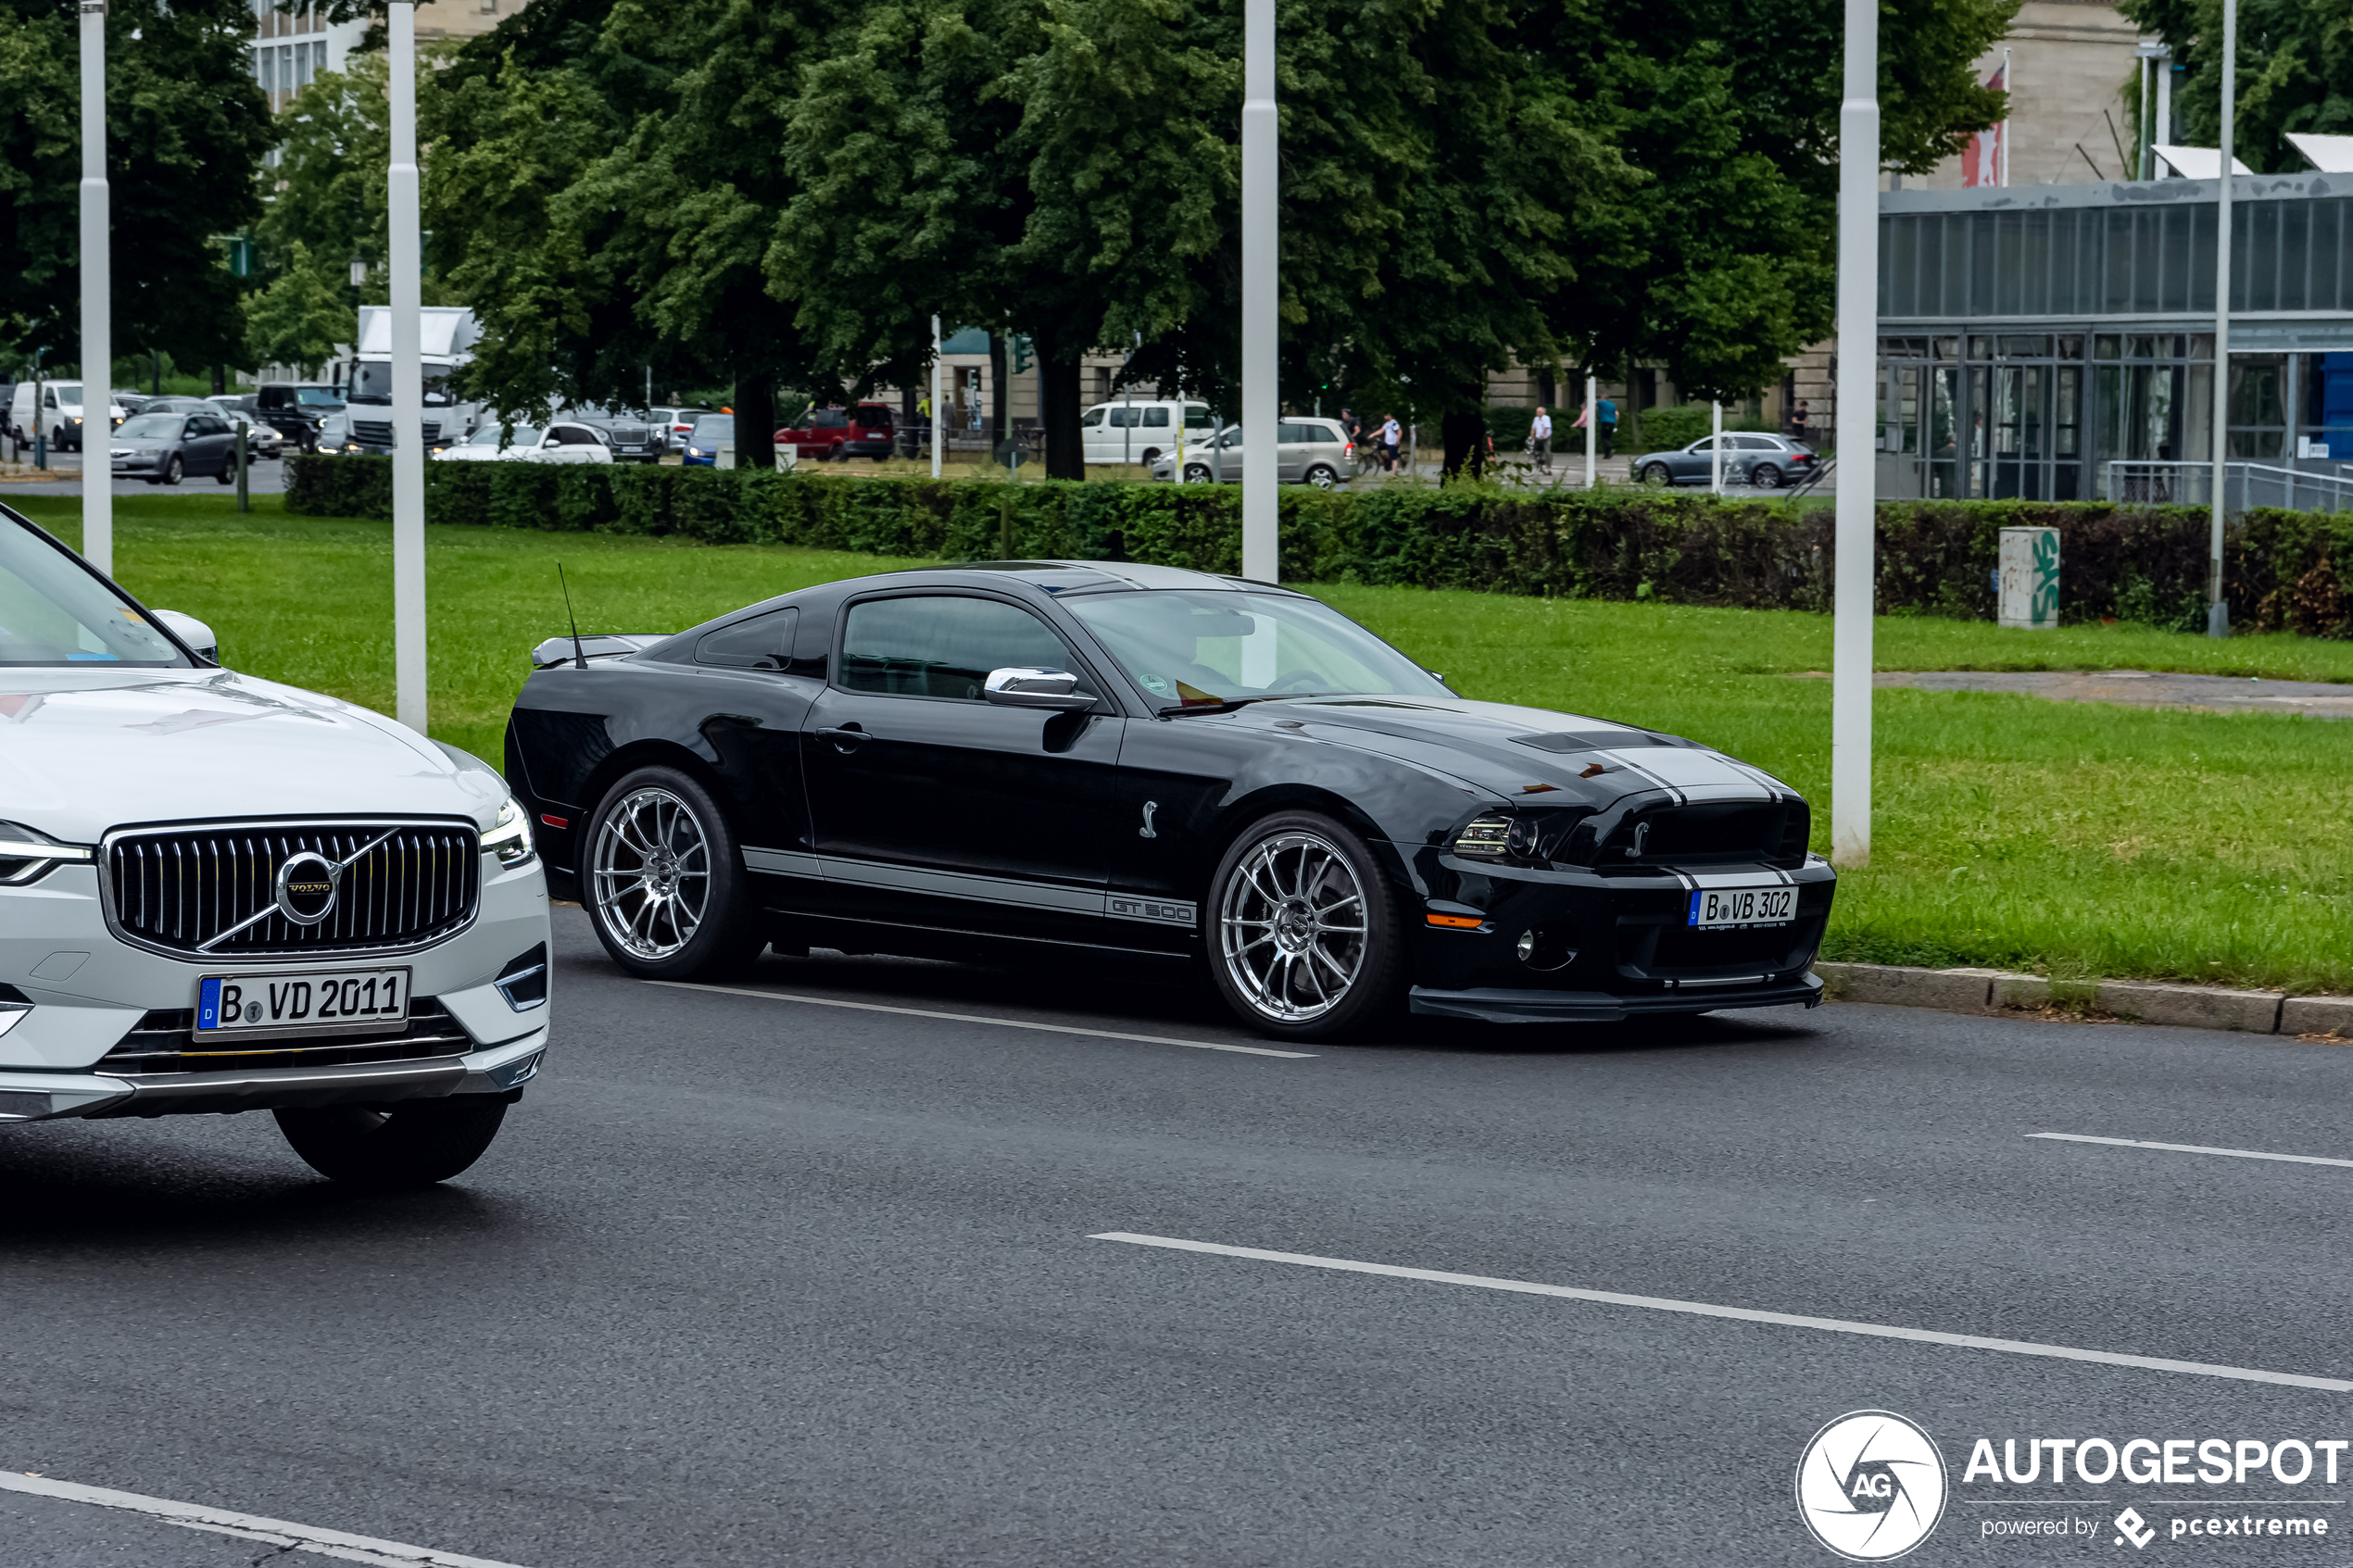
<point>1543,947</point>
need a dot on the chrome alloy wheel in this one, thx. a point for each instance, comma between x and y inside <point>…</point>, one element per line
<point>1293,926</point>
<point>653,872</point>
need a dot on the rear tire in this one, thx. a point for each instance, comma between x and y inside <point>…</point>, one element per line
<point>1765,476</point>
<point>663,882</point>
<point>1322,478</point>
<point>1305,938</point>
<point>413,1144</point>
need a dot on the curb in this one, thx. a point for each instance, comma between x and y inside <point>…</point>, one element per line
<point>1994,991</point>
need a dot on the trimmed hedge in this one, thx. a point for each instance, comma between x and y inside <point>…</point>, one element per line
<point>2284,570</point>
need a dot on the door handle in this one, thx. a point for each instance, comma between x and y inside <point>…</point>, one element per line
<point>844,739</point>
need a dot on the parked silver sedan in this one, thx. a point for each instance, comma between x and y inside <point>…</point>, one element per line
<point>1307,451</point>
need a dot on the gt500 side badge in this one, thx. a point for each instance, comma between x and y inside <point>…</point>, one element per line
<point>1120,907</point>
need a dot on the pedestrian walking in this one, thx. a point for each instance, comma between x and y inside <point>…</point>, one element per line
<point>1391,433</point>
<point>1609,426</point>
<point>1540,430</point>
<point>1797,422</point>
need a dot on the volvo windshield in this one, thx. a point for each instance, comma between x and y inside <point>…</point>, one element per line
<point>53,612</point>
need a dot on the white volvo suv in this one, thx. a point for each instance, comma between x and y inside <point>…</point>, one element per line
<point>219,894</point>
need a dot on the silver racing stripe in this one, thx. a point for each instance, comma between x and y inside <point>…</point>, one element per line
<point>1011,892</point>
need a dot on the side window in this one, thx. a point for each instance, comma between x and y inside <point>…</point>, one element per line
<point>762,642</point>
<point>1094,419</point>
<point>1125,419</point>
<point>1197,417</point>
<point>1156,418</point>
<point>1289,431</point>
<point>829,418</point>
<point>938,646</point>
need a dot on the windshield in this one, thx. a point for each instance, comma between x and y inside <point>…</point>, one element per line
<point>490,436</point>
<point>149,427</point>
<point>53,612</point>
<point>371,383</point>
<point>316,398</point>
<point>65,392</point>
<point>711,429</point>
<point>1203,648</point>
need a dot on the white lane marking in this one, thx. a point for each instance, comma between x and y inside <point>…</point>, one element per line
<point>277,1532</point>
<point>1743,1314</point>
<point>2192,1148</point>
<point>976,1018</point>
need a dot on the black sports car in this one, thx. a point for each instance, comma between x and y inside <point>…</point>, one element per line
<point>1076,762</point>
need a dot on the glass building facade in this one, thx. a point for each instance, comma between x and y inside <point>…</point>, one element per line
<point>2030,336</point>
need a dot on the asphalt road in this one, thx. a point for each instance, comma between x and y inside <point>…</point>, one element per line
<point>754,1281</point>
<point>262,478</point>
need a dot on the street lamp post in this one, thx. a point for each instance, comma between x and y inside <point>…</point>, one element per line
<point>1858,430</point>
<point>939,396</point>
<point>2218,609</point>
<point>97,288</point>
<point>1261,558</point>
<point>407,379</point>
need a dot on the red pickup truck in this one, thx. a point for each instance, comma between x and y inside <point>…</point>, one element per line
<point>832,434</point>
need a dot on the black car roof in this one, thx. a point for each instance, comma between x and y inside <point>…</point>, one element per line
<point>1064,578</point>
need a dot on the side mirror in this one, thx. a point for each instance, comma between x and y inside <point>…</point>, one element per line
<point>1022,686</point>
<point>194,633</point>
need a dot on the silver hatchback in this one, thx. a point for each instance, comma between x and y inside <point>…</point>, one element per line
<point>1307,451</point>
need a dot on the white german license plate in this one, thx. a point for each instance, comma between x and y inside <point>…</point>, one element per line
<point>324,1001</point>
<point>1718,908</point>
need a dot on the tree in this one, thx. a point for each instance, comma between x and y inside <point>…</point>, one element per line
<point>300,317</point>
<point>2294,72</point>
<point>185,131</point>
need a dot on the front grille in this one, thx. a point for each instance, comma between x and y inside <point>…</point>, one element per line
<point>1682,949</point>
<point>179,888</point>
<point>629,436</point>
<point>1709,831</point>
<point>378,433</point>
<point>164,1042</point>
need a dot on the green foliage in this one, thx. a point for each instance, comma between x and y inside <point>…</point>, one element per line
<point>1664,429</point>
<point>2284,570</point>
<point>2294,72</point>
<point>300,317</point>
<point>185,130</point>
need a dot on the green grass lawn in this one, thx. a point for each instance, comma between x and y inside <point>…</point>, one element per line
<point>2080,839</point>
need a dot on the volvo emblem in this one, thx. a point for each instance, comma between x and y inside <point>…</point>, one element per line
<point>307,884</point>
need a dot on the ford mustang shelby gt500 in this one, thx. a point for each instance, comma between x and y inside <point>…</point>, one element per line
<point>1073,760</point>
<point>218,893</point>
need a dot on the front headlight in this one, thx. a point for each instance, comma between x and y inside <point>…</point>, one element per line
<point>28,856</point>
<point>1498,838</point>
<point>509,836</point>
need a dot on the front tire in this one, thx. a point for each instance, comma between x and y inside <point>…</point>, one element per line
<point>413,1144</point>
<point>664,880</point>
<point>1304,938</point>
<point>174,470</point>
<point>1197,473</point>
<point>1657,476</point>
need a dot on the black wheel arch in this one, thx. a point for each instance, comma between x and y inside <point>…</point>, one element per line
<point>1237,816</point>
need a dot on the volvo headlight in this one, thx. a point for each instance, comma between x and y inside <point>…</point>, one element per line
<point>27,855</point>
<point>509,836</point>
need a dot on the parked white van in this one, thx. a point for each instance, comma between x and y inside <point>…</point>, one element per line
<point>1141,431</point>
<point>59,415</point>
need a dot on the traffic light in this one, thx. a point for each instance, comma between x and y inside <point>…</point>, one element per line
<point>1025,354</point>
<point>243,261</point>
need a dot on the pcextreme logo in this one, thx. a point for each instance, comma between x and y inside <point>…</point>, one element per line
<point>1871,1485</point>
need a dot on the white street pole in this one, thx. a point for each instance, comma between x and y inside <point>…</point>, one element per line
<point>939,396</point>
<point>1261,558</point>
<point>97,301</point>
<point>407,381</point>
<point>1716,448</point>
<point>2164,132</point>
<point>2010,86</point>
<point>1857,425</point>
<point>2141,162</point>
<point>1593,428</point>
<point>2218,609</point>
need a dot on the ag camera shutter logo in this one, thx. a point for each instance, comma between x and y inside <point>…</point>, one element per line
<point>1871,1485</point>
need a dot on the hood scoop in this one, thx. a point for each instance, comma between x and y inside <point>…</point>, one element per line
<point>1603,740</point>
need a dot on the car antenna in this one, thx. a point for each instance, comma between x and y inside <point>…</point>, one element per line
<point>579,658</point>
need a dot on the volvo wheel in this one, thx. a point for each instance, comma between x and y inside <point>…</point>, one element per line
<point>412,1143</point>
<point>1303,937</point>
<point>664,880</point>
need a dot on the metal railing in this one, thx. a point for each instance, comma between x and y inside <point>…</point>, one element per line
<point>2245,485</point>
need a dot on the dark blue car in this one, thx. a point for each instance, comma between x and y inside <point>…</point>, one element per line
<point>702,447</point>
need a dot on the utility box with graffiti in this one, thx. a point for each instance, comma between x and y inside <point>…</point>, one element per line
<point>2028,580</point>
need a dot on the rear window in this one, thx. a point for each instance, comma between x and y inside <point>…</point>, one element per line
<point>874,415</point>
<point>713,428</point>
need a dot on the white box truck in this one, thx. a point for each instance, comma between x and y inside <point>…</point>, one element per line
<point>447,336</point>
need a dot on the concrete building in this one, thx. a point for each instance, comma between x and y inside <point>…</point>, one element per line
<point>2070,62</point>
<point>290,48</point>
